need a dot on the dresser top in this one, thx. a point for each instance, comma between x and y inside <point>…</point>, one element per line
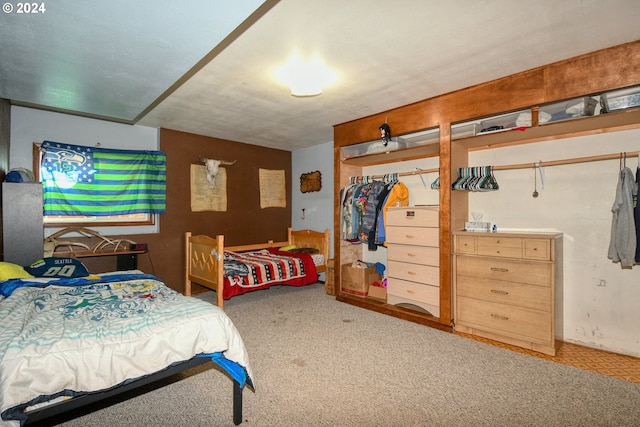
<point>527,234</point>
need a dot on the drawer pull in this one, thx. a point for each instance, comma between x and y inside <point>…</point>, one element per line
<point>411,291</point>
<point>413,273</point>
<point>408,236</point>
<point>499,292</point>
<point>501,270</point>
<point>499,317</point>
<point>410,254</point>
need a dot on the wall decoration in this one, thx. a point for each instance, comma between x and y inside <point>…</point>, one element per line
<point>311,181</point>
<point>204,196</point>
<point>273,190</point>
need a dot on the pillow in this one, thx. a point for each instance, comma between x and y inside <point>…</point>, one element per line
<point>287,248</point>
<point>58,267</point>
<point>309,251</point>
<point>9,270</point>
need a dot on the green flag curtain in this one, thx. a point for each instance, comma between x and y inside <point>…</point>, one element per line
<point>93,181</point>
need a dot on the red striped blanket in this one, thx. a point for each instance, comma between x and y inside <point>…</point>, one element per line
<point>256,268</point>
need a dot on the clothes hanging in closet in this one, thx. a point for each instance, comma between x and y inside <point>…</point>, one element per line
<point>622,246</point>
<point>398,196</point>
<point>361,203</point>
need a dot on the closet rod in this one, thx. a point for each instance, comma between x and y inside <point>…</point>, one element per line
<point>418,172</point>
<point>615,156</point>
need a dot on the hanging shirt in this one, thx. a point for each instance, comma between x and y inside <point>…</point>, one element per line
<point>398,196</point>
<point>622,246</point>
<point>636,214</point>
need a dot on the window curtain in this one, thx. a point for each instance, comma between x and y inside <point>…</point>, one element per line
<point>92,181</point>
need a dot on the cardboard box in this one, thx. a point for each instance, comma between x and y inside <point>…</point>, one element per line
<point>377,293</point>
<point>356,281</point>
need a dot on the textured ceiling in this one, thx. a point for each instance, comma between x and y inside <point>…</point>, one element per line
<point>208,67</point>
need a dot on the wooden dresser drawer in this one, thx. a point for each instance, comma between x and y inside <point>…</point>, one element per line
<point>427,274</point>
<point>507,247</point>
<point>413,236</point>
<point>513,321</point>
<point>465,245</point>
<point>534,273</point>
<point>413,216</point>
<point>517,294</point>
<point>427,255</point>
<point>537,249</point>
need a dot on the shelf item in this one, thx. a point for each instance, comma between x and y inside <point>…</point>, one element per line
<point>507,287</point>
<point>621,99</point>
<point>567,109</point>
<point>430,136</point>
<point>465,130</point>
<point>504,122</point>
<point>413,257</point>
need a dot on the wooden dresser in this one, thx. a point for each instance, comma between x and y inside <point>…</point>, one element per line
<point>413,257</point>
<point>508,287</point>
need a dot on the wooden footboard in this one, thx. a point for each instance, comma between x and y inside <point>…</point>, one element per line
<point>205,264</point>
<point>205,256</point>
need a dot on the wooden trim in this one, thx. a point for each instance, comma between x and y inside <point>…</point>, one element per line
<point>585,75</point>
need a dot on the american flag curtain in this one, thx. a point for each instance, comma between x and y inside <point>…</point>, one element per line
<point>92,181</point>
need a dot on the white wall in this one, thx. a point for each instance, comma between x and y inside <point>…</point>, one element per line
<point>318,205</point>
<point>30,125</point>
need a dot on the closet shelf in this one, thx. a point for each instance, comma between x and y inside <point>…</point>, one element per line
<point>627,119</point>
<point>419,152</point>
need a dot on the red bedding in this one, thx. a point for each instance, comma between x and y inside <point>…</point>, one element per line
<point>310,275</point>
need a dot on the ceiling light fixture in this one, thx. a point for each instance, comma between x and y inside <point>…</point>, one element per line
<point>305,78</point>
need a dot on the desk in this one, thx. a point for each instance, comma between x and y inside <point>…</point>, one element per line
<point>127,259</point>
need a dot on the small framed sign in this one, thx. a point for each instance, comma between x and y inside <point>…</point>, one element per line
<point>311,181</point>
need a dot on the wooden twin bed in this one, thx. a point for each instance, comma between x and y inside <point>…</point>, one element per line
<point>208,262</point>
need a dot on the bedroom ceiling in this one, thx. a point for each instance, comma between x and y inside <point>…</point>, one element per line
<point>207,67</point>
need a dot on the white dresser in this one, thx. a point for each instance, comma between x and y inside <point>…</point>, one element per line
<point>413,257</point>
<point>508,287</point>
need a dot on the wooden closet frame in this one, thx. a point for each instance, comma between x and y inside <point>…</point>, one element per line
<point>589,74</point>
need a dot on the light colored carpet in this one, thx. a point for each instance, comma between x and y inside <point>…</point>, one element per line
<point>318,362</point>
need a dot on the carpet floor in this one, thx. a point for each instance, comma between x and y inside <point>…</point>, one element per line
<point>318,362</point>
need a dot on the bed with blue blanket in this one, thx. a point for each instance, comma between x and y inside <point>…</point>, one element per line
<point>65,342</point>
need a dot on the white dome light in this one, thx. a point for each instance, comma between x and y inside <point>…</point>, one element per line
<point>305,78</point>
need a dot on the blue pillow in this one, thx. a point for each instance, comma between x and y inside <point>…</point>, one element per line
<point>57,267</point>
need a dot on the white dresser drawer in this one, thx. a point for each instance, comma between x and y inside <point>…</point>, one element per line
<point>413,236</point>
<point>414,272</point>
<point>413,216</point>
<point>406,292</point>
<point>427,255</point>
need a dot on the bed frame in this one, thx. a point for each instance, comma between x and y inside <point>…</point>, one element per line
<point>63,408</point>
<point>204,260</point>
